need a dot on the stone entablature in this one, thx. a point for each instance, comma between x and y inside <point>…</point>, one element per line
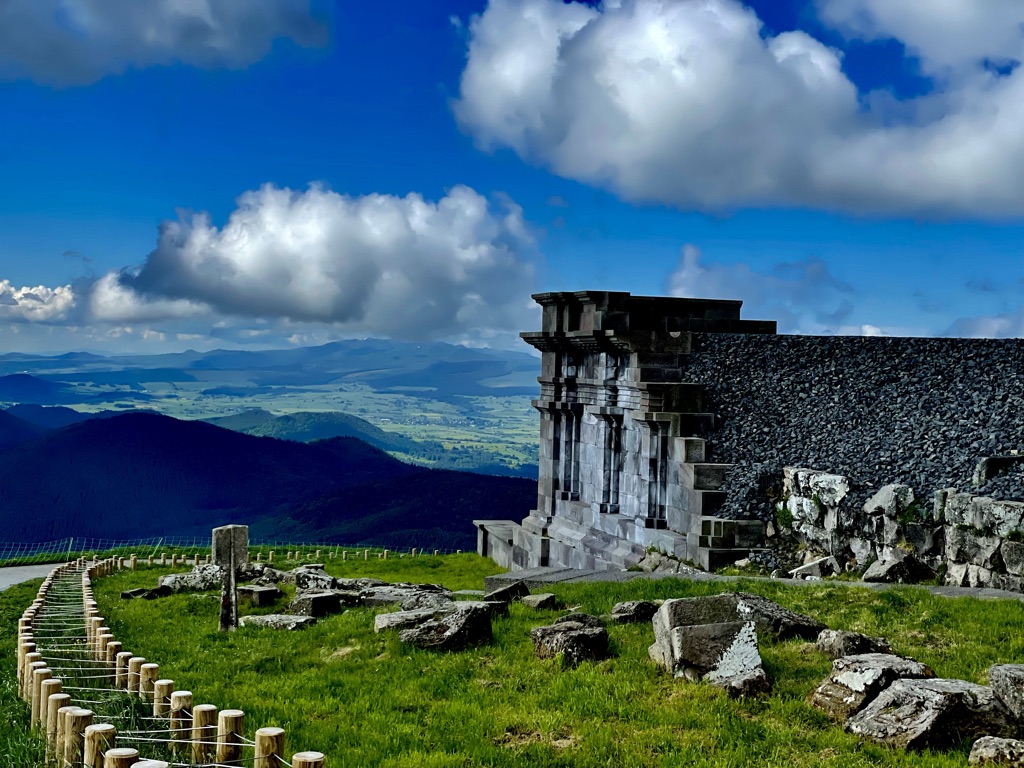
<point>622,459</point>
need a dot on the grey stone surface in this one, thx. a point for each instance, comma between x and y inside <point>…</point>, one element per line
<point>857,679</point>
<point>313,578</point>
<point>573,641</point>
<point>633,611</point>
<point>835,643</point>
<point>542,601</point>
<point>724,654</point>
<point>517,590</point>
<point>401,619</point>
<point>278,621</point>
<point>464,626</point>
<point>887,571</point>
<point>576,617</point>
<point>315,604</point>
<point>1007,680</point>
<point>991,750</point>
<point>389,594</point>
<point>199,579</point>
<point>432,600</point>
<point>1013,557</point>
<point>259,596</point>
<point>937,713</point>
<point>230,545</point>
<point>822,566</point>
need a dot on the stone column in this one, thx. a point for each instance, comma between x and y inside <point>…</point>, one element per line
<point>230,551</point>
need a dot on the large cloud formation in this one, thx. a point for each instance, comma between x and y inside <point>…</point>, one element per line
<point>73,42</point>
<point>691,104</point>
<point>398,266</point>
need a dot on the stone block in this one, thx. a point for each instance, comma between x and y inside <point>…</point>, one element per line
<point>544,601</point>
<point>309,578</point>
<point>1007,680</point>
<point>725,655</point>
<point>259,596</point>
<point>230,545</point>
<point>401,620</point>
<point>464,626</point>
<point>970,546</point>
<point>1012,553</point>
<point>316,604</point>
<point>277,621</point>
<point>990,750</point>
<point>634,611</point>
<point>837,643</point>
<point>857,679</point>
<point>574,641</point>
<point>889,501</point>
<point>932,714</point>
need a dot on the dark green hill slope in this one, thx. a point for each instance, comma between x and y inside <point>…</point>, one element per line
<point>140,474</point>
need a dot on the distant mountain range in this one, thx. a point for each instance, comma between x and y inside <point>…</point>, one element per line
<point>141,474</point>
<point>437,370</point>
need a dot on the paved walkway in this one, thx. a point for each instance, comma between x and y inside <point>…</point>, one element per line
<point>536,577</point>
<point>11,576</point>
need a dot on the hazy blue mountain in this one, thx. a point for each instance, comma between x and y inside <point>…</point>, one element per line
<point>15,431</point>
<point>142,474</point>
<point>25,388</point>
<point>55,416</point>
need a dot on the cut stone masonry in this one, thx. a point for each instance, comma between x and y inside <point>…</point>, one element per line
<point>622,457</point>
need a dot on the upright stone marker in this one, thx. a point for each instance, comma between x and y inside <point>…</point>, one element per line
<point>230,551</point>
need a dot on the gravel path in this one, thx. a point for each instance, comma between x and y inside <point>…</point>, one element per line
<point>11,576</point>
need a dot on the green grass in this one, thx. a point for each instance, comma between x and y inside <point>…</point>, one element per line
<point>19,748</point>
<point>365,700</point>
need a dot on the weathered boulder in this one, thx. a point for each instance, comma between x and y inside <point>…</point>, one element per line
<point>580,618</point>
<point>1013,557</point>
<point>938,713</point>
<point>1007,680</point>
<point>315,604</point>
<point>401,619</point>
<point>249,571</point>
<point>768,616</point>
<point>965,545</point>
<point>517,590</point>
<point>725,655</point>
<point>990,750</point>
<point>259,595</point>
<point>424,600</point>
<point>277,621</point>
<point>545,601</point>
<point>200,578</point>
<point>890,571</point>
<point>857,679</point>
<point>312,578</point>
<point>349,598</point>
<point>466,625</point>
<point>838,642</point>
<point>890,500</point>
<point>358,584</point>
<point>389,594</point>
<point>574,641</point>
<point>634,611</point>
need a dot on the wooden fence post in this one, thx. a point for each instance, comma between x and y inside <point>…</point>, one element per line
<point>269,748</point>
<point>39,676</point>
<point>147,677</point>
<point>308,760</point>
<point>121,757</point>
<point>162,690</point>
<point>53,706</point>
<point>135,562</point>
<point>230,730</point>
<point>48,688</point>
<point>135,673</point>
<point>31,661</point>
<point>121,662</point>
<point>62,728</point>
<point>204,731</point>
<point>99,739</point>
<point>181,719</point>
<point>76,721</point>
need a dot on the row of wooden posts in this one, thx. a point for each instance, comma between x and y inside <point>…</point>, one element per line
<point>74,740</point>
<point>132,562</point>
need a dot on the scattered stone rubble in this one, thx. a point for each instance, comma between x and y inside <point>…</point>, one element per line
<point>575,638</point>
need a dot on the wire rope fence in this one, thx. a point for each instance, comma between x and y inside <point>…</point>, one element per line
<point>100,706</point>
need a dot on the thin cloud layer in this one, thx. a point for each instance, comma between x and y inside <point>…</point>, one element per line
<point>74,42</point>
<point>689,103</point>
<point>398,266</point>
<point>803,296</point>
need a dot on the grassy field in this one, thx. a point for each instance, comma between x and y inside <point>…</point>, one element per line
<point>365,700</point>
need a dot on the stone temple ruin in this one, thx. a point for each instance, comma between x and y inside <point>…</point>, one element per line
<point>672,425</point>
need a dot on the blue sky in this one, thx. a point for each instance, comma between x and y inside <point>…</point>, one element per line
<point>210,174</point>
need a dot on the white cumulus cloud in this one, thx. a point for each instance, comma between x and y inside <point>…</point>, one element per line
<point>398,266</point>
<point>72,42</point>
<point>691,103</point>
<point>39,304</point>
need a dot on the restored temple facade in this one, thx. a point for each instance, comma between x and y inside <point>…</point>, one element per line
<point>622,457</point>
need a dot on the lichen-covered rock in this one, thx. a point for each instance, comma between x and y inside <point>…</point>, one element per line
<point>838,642</point>
<point>889,501</point>
<point>432,600</point>
<point>545,601</point>
<point>856,680</point>
<point>389,594</point>
<point>889,571</point>
<point>573,641</point>
<point>1007,680</point>
<point>312,578</point>
<point>277,621</point>
<point>634,611</point>
<point>725,655</point>
<point>990,750</point>
<point>199,579</point>
<point>1013,557</point>
<point>935,714</point>
<point>973,547</point>
<point>466,625</point>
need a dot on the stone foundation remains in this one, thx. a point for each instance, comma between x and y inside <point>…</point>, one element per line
<point>673,425</point>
